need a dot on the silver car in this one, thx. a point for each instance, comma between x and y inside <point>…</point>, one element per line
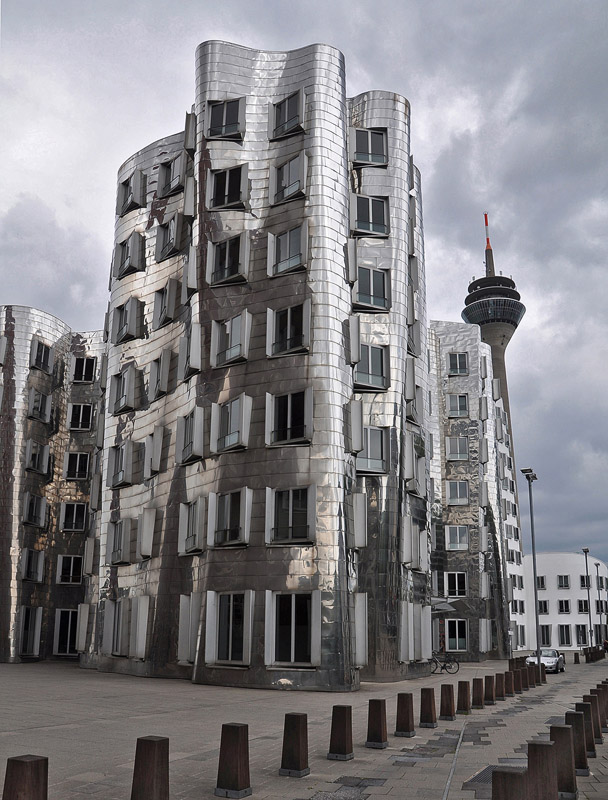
<point>553,660</point>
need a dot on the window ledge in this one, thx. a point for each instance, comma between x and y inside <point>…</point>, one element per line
<point>291,667</point>
<point>292,543</point>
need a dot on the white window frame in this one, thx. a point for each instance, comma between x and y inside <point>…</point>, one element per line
<point>293,263</point>
<point>226,537</point>
<point>34,510</point>
<point>581,635</point>
<point>159,375</point>
<point>457,448</point>
<point>165,304</point>
<point>459,499</point>
<point>363,464</point>
<point>131,193</point>
<point>563,606</point>
<point>127,321</point>
<point>82,462</point>
<point>153,450</point>
<point>270,630</point>
<point>458,364</point>
<point>237,350</point>
<point>122,390</point>
<point>545,635</point>
<point>456,407</point>
<point>119,538</point>
<point>271,432</point>
<point>299,342</point>
<point>564,633</point>
<point>237,204</point>
<point>172,175</point>
<point>189,619</point>
<point>73,560</point>
<point>226,272</point>
<point>120,464</point>
<point>543,606</point>
<point>212,627</point>
<point>144,542</point>
<point>32,565</point>
<point>191,530</point>
<point>563,581</point>
<point>585,581</point>
<point>75,415</point>
<point>169,235</point>
<point>189,439</point>
<point>234,130</point>
<point>288,179</point>
<point>372,302</point>
<point>129,256</point>
<point>362,158</point>
<point>270,536</point>
<point>79,369</point>
<point>39,405</point>
<point>361,228</point>
<point>460,584</point>
<point>459,623</point>
<point>237,438</point>
<point>37,457</point>
<point>42,356</point>
<point>456,537</point>
<point>291,126</point>
<point>70,510</point>
<point>583,606</point>
<point>190,357</point>
<point>372,381</point>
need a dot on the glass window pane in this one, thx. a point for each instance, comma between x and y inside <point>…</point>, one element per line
<point>302,628</point>
<point>238,626</point>
<point>283,627</point>
<point>223,651</point>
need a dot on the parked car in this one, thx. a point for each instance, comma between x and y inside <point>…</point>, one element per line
<point>553,660</point>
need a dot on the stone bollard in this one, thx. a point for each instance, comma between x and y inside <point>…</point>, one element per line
<point>509,687</point>
<point>561,736</point>
<point>447,710</point>
<point>517,687</point>
<point>510,783</point>
<point>27,778</point>
<point>377,737</point>
<point>428,712</point>
<point>233,768</point>
<point>602,694</point>
<point>576,720</point>
<point>294,758</point>
<point>543,673</point>
<point>405,715</point>
<point>525,683</point>
<point>478,693</point>
<point>489,696</point>
<point>464,698</point>
<point>151,770</point>
<point>500,685</point>
<point>577,658</point>
<point>589,737</point>
<point>341,738</point>
<point>542,771</point>
<point>595,716</point>
<point>531,676</point>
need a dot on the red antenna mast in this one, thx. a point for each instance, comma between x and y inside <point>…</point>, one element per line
<point>489,253</point>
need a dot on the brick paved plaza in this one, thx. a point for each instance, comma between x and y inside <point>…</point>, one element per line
<point>87,724</point>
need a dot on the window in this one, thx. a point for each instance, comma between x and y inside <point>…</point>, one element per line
<point>563,581</point>
<point>129,256</point>
<point>119,535</point>
<point>520,581</point>
<point>457,448</point>
<point>369,216</point>
<point>229,517</point>
<point>374,455</point>
<point>522,635</point>
<point>230,340</point>
<point>372,371</point>
<point>189,619</point>
<point>31,620</point>
<point>458,405</point>
<point>231,627</point>
<point>227,188</point>
<point>41,356</point>
<point>541,582</point>
<point>543,606</point>
<point>76,466</point>
<point>66,627</point>
<point>287,251</point>
<point>80,415</point>
<point>159,375</point>
<point>372,289</point>
<point>69,569</point>
<point>120,465</point>
<point>288,330</point>
<point>583,607</point>
<point>227,119</point>
<point>190,534</point>
<point>32,565</point>
<point>228,260</point>
<point>230,424</point>
<point>288,116</point>
<point>456,584</point>
<point>290,514</point>
<point>39,405</point>
<point>165,304</point>
<point>34,510</point>
<point>545,635</point>
<point>84,368</point>
<point>131,193</point>
<point>169,237</point>
<point>369,147</point>
<point>514,606</point>
<point>585,581</point>
<point>190,356</point>
<point>36,457</point>
<point>122,390</point>
<point>293,628</point>
<point>456,634</point>
<point>289,418</point>
<point>189,437</point>
<point>126,321</point>
<point>73,516</point>
<point>599,607</point>
<point>563,606</point>
<point>457,493</point>
<point>581,635</point>
<point>288,181</point>
<point>563,632</point>
<point>153,451</point>
<point>172,176</point>
<point>458,364</point>
<point>144,541</point>
<point>457,537</point>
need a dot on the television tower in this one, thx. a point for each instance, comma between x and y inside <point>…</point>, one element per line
<point>494,304</point>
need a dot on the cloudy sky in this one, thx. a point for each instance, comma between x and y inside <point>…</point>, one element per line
<point>509,115</point>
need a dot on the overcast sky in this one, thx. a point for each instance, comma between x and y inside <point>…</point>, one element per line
<point>509,115</point>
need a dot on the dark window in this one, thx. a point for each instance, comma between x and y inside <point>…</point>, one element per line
<point>289,417</point>
<point>372,287</point>
<point>75,516</point>
<point>287,115</point>
<point>227,187</point>
<point>71,569</point>
<point>288,330</point>
<point>288,250</point>
<point>66,639</point>
<point>290,514</point>
<point>228,518</point>
<point>226,261</point>
<point>78,466</point>
<point>371,369</point>
<point>293,628</point>
<point>231,627</point>
<point>84,369</point>
<point>370,147</point>
<point>80,419</point>
<point>373,456</point>
<point>224,119</point>
<point>371,214</point>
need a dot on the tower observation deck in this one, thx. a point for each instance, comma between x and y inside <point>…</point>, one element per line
<point>494,304</point>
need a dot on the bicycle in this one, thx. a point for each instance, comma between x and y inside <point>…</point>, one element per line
<point>444,662</point>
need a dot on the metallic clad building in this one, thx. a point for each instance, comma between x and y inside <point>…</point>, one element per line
<point>263,519</point>
<point>49,409</point>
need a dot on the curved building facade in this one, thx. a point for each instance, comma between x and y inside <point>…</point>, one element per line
<point>263,520</point>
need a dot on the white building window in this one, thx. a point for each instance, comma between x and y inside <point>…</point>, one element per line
<point>34,510</point>
<point>131,193</point>
<point>190,353</point>
<point>230,340</point>
<point>563,606</point>
<point>80,416</point>
<point>581,635</point>
<point>369,216</point>
<point>290,514</point>
<point>287,116</point>
<point>457,537</point>
<point>189,618</point>
<point>227,188</point>
<point>585,581</point>
<point>169,237</point>
<point>119,541</point>
<point>229,517</point>
<point>30,624</point>
<point>127,321</point>
<point>84,369</point>
<point>230,424</point>
<point>456,584</point>
<point>69,569</point>
<point>457,448</point>
<point>172,176</point>
<point>543,606</point>
<point>372,289</point>
<point>564,635</point>
<point>545,635</point>
<point>563,581</point>
<point>288,181</point>
<point>231,627</point>
<point>122,390</point>
<point>458,405</point>
<point>76,466</point>
<point>190,533</point>
<point>159,375</point>
<point>372,371</point>
<point>288,330</point>
<point>120,465</point>
<point>189,441</point>
<point>226,119</point>
<point>368,147</point>
<point>373,458</point>
<point>288,250</point>
<point>541,582</point>
<point>36,457</point>
<point>32,565</point>
<point>457,493</point>
<point>289,418</point>
<point>73,517</point>
<point>583,607</point>
<point>228,260</point>
<point>458,364</point>
<point>41,355</point>
<point>39,405</point>
<point>293,628</point>
<point>129,256</point>
<point>165,304</point>
<point>456,638</point>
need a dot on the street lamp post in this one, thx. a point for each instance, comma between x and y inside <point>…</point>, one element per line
<point>531,476</point>
<point>586,552</point>
<point>599,598</point>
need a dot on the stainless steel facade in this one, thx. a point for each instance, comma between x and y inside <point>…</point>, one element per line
<point>49,408</point>
<point>263,519</point>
